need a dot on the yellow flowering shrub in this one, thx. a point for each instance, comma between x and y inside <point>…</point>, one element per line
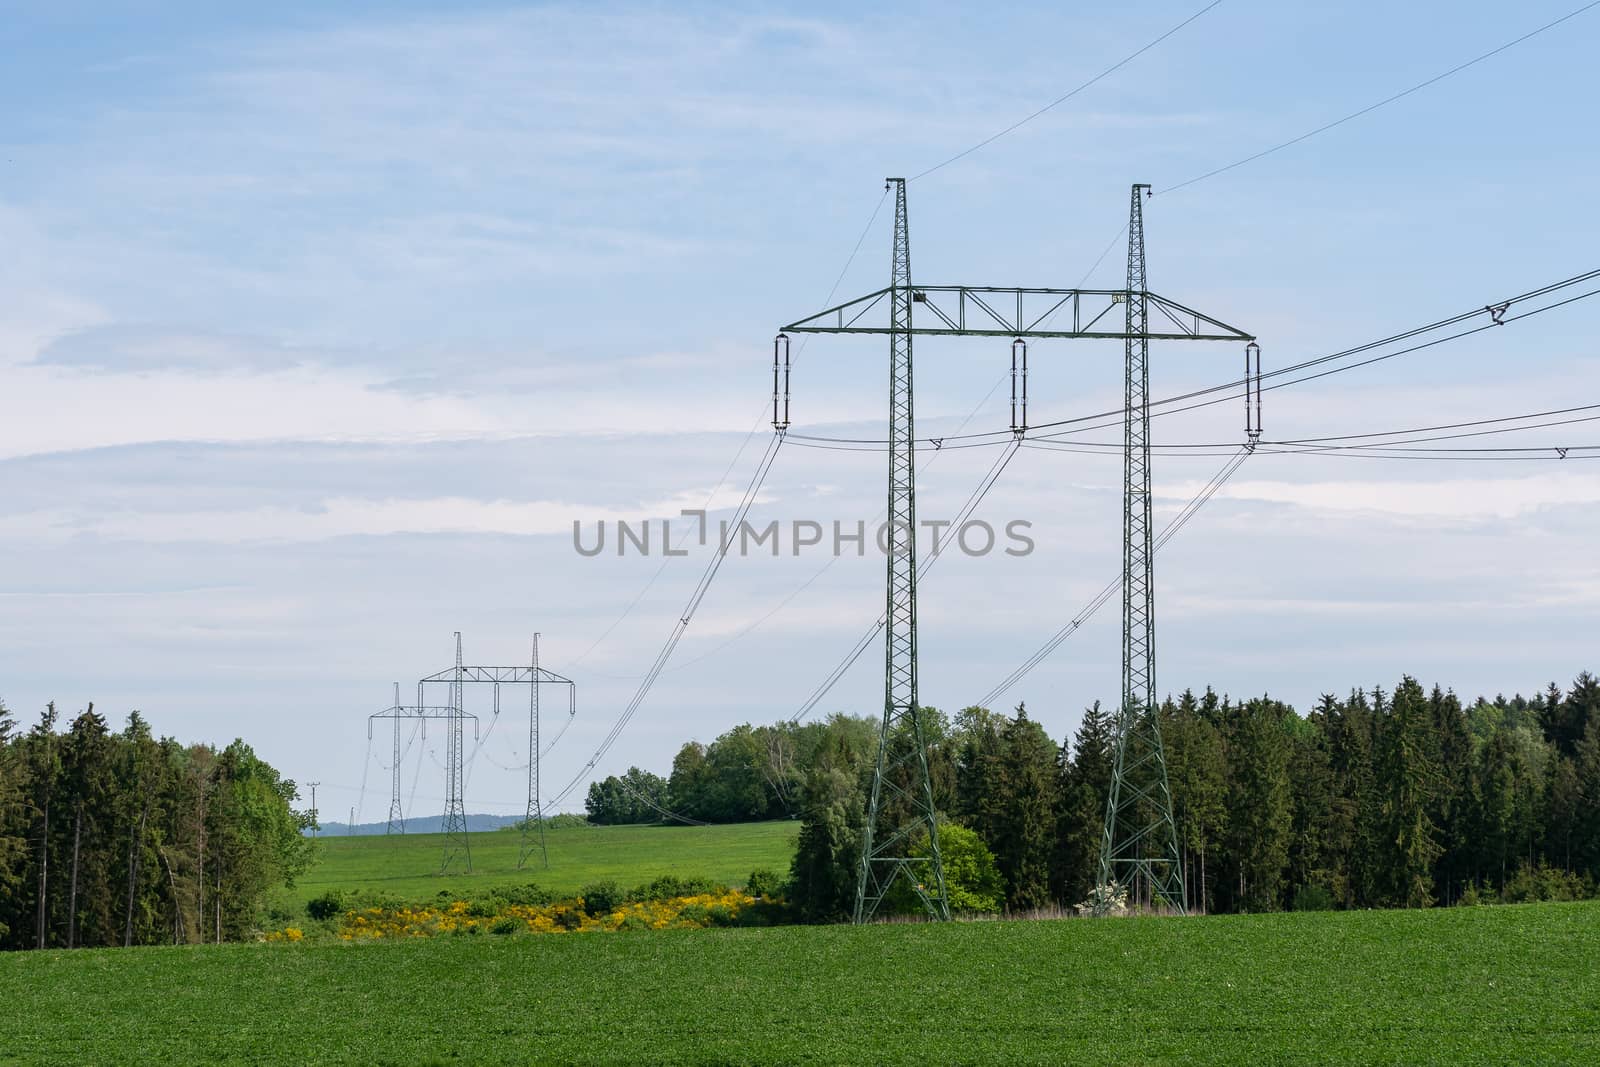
<point>721,908</point>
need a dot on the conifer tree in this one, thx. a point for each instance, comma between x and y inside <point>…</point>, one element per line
<point>1082,809</point>
<point>1410,781</point>
<point>1026,812</point>
<point>1313,861</point>
<point>1259,804</point>
<point>1586,828</point>
<point>1197,773</point>
<point>1450,752</point>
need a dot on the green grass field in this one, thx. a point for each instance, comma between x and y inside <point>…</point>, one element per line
<point>1449,986</point>
<point>408,865</point>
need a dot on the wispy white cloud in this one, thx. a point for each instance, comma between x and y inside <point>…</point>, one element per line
<point>346,517</point>
<point>1479,499</point>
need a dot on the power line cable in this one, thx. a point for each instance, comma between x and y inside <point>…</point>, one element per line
<point>1118,65</point>
<point>756,425</point>
<point>1188,512</point>
<point>1458,68</point>
<point>365,767</point>
<point>693,604</point>
<point>1413,435</point>
<point>873,631</point>
<point>751,627</point>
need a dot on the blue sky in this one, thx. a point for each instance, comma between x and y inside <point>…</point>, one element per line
<point>320,325</point>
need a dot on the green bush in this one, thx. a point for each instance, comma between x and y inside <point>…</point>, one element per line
<point>766,884</point>
<point>486,907</point>
<point>971,878</point>
<point>1312,898</point>
<point>530,895</point>
<point>601,898</point>
<point>330,905</point>
<point>766,912</point>
<point>510,924</point>
<point>669,887</point>
<point>1533,884</point>
<point>563,821</point>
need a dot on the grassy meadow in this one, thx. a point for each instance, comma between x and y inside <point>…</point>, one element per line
<point>1447,986</point>
<point>407,865</point>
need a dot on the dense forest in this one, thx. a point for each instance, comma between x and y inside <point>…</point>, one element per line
<point>1383,799</point>
<point>118,838</point>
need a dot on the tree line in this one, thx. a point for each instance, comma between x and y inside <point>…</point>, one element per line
<point>749,774</point>
<point>119,838</point>
<point>1402,798</point>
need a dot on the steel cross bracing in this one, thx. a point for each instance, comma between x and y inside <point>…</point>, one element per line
<point>400,712</point>
<point>1140,790</point>
<point>1139,843</point>
<point>533,676</point>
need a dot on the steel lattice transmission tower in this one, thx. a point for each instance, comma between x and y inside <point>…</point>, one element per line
<point>399,713</point>
<point>536,678</point>
<point>901,802</point>
<point>534,819</point>
<point>454,824</point>
<point>397,815</point>
<point>901,808</point>
<point>1139,846</point>
<point>458,678</point>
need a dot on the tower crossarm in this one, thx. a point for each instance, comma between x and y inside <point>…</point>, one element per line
<point>415,711</point>
<point>523,675</point>
<point>999,311</point>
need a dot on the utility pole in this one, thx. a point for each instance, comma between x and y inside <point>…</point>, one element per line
<point>1016,313</point>
<point>1139,844</point>
<point>314,826</point>
<point>350,827</point>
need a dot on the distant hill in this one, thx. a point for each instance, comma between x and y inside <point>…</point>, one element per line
<point>421,824</point>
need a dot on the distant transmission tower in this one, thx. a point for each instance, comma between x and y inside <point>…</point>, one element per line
<point>533,820</point>
<point>454,824</point>
<point>458,678</point>
<point>397,815</point>
<point>400,713</point>
<point>1139,828</point>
